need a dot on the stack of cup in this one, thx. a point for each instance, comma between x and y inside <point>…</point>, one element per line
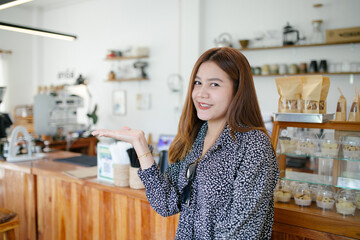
<point>121,163</point>
<point>134,180</point>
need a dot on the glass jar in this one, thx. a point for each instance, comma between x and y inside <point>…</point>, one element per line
<point>288,143</point>
<point>317,36</point>
<point>351,149</point>
<point>308,144</point>
<point>325,198</point>
<point>329,146</point>
<point>345,202</point>
<point>302,196</point>
<point>293,186</point>
<point>282,191</point>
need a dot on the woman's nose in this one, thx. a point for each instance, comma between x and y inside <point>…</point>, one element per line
<point>203,92</point>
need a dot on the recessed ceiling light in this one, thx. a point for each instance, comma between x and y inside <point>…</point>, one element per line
<point>10,3</point>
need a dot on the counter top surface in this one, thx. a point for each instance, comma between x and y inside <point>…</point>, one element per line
<point>48,167</point>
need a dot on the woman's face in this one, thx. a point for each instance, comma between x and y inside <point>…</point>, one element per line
<point>212,93</point>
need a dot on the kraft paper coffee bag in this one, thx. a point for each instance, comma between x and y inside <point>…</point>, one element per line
<point>340,114</point>
<point>311,93</point>
<point>289,89</point>
<point>324,93</point>
<point>354,114</point>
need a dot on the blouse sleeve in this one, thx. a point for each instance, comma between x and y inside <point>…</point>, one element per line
<point>251,212</point>
<point>161,189</point>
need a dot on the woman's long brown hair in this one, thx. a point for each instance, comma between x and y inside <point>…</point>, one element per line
<point>243,113</point>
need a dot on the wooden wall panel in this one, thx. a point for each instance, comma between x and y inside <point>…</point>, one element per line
<point>17,190</point>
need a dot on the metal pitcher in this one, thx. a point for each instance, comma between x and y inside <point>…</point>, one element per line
<point>224,40</point>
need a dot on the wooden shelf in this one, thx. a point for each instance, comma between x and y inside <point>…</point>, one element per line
<point>301,74</point>
<point>312,217</point>
<point>124,58</point>
<point>5,51</point>
<point>295,46</point>
<point>127,79</point>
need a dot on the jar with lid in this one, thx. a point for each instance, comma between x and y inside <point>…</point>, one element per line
<point>345,202</point>
<point>329,147</point>
<point>308,144</point>
<point>325,197</point>
<point>351,148</point>
<point>282,191</point>
<point>317,35</point>
<point>302,196</point>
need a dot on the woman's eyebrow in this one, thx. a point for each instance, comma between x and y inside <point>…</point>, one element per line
<point>210,79</point>
<point>214,79</point>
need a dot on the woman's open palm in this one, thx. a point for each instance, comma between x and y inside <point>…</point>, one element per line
<point>126,134</point>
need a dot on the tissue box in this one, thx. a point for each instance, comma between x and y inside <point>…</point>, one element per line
<point>105,163</point>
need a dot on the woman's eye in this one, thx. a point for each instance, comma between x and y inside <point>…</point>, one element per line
<point>214,85</point>
<point>197,83</point>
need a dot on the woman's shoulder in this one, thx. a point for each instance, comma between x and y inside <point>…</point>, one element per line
<point>253,137</point>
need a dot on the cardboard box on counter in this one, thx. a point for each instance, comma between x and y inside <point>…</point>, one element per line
<point>343,35</point>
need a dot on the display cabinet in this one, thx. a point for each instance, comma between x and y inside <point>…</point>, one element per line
<point>320,169</point>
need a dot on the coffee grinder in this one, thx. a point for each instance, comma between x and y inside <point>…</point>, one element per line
<point>5,122</point>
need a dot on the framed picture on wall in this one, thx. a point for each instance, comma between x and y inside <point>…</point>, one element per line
<point>119,102</point>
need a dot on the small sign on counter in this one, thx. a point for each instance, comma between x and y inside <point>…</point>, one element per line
<point>105,163</point>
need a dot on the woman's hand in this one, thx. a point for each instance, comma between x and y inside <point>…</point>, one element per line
<point>126,134</point>
<point>135,137</point>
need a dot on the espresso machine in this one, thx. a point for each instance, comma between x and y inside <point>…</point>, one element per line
<point>57,115</point>
<point>5,122</point>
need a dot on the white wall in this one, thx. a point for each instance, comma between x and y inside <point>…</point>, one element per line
<point>21,65</point>
<point>245,19</point>
<point>159,24</point>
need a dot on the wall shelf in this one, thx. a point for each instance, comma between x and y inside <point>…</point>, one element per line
<point>301,74</point>
<point>5,51</point>
<point>124,58</point>
<point>127,79</point>
<point>296,46</point>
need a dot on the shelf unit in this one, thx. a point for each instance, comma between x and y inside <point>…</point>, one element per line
<point>127,79</point>
<point>312,222</point>
<point>296,46</point>
<point>122,59</point>
<point>300,74</point>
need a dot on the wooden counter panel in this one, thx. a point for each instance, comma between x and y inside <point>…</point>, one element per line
<point>57,208</point>
<point>67,210</point>
<point>17,193</point>
<point>108,215</point>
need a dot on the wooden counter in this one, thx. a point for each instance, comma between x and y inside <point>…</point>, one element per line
<point>52,205</point>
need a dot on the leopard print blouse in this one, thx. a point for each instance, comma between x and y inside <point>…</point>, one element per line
<point>232,195</point>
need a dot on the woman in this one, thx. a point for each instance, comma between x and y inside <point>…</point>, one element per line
<point>223,169</point>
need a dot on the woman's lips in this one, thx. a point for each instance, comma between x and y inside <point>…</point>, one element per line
<point>204,106</point>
